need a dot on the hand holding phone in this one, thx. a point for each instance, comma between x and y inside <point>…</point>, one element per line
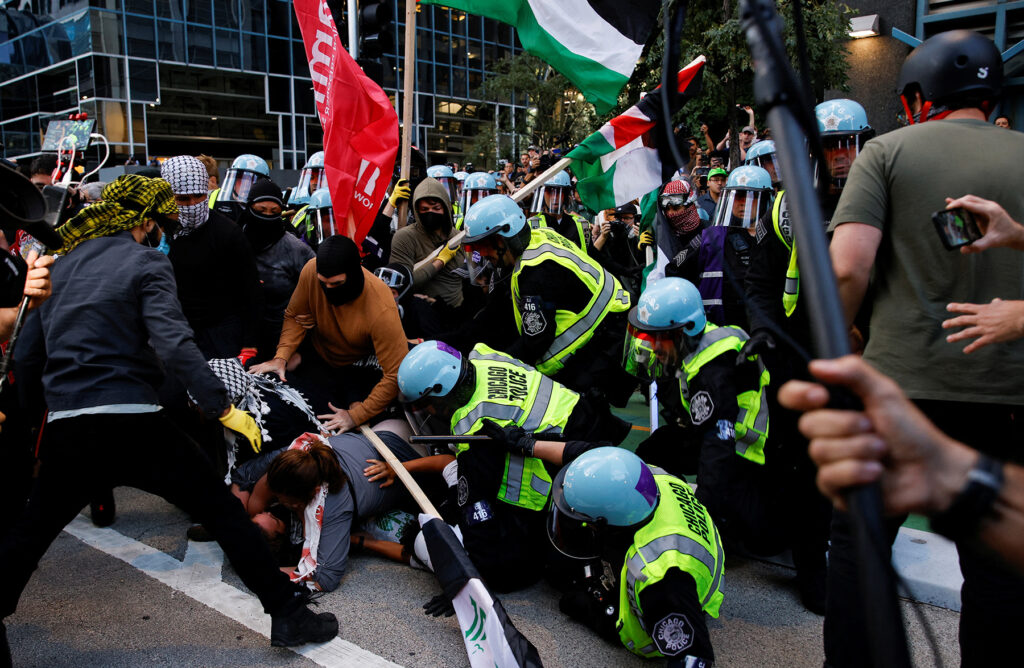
<point>956,227</point>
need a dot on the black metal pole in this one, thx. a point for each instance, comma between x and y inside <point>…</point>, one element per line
<point>775,86</point>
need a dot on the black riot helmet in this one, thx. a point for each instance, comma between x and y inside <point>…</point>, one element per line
<point>951,69</point>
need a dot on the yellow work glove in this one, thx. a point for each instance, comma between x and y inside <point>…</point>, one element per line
<point>401,193</point>
<point>242,422</point>
<point>446,254</point>
<point>646,239</point>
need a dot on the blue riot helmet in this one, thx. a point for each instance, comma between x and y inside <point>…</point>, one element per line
<point>477,186</point>
<point>321,214</point>
<point>310,179</point>
<point>762,154</point>
<point>844,128</point>
<point>444,174</point>
<point>599,502</point>
<point>460,179</point>
<point>244,171</point>
<point>746,198</point>
<point>494,225</point>
<point>555,196</point>
<point>431,370</point>
<point>668,311</point>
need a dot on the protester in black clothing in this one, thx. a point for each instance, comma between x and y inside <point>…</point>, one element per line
<point>113,300</point>
<point>279,257</point>
<point>218,285</point>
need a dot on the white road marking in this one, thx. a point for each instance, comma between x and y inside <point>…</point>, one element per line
<point>198,576</point>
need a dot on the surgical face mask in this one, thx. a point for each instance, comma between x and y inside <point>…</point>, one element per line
<point>191,217</point>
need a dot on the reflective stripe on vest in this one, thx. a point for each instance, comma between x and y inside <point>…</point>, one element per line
<point>752,419</point>
<point>680,535</point>
<point>545,408</point>
<point>792,290</point>
<point>572,330</point>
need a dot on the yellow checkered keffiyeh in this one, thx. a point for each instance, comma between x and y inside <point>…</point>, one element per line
<point>128,201</point>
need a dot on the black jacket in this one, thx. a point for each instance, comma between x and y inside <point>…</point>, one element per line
<point>217,278</point>
<point>112,320</point>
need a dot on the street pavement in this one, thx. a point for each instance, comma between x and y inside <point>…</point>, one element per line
<point>140,594</point>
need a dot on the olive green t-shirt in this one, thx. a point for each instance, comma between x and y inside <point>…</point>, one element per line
<point>895,184</point>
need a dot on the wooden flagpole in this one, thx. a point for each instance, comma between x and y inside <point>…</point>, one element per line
<point>518,196</point>
<point>408,99</point>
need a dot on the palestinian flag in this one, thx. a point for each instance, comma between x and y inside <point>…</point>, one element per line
<point>621,161</point>
<point>595,44</point>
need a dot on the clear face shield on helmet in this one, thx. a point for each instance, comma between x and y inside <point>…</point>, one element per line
<point>573,534</point>
<point>741,208</point>
<point>324,224</point>
<point>840,151</point>
<point>480,269</point>
<point>471,197</point>
<point>393,279</point>
<point>554,200</point>
<point>650,355</point>
<point>309,181</point>
<point>237,184</point>
<point>451,185</point>
<point>770,163</point>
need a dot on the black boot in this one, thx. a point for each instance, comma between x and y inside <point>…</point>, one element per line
<point>296,624</point>
<point>810,581</point>
<point>103,508</point>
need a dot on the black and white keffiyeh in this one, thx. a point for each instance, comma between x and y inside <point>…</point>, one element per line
<point>187,176</point>
<point>245,391</point>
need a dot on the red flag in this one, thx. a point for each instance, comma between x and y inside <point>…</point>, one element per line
<point>360,125</point>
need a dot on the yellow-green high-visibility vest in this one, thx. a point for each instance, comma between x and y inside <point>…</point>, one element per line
<point>572,330</point>
<point>582,227</point>
<point>680,535</point>
<point>511,392</point>
<point>752,420</point>
<point>784,232</point>
<point>214,194</point>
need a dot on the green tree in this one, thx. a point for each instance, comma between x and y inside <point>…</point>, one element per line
<point>557,114</point>
<point>713,29</point>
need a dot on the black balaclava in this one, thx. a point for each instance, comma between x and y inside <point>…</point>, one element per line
<point>262,231</point>
<point>339,255</point>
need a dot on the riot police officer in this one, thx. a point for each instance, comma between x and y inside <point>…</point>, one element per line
<point>553,206</point>
<point>475,187</point>
<point>569,310</point>
<point>503,487</point>
<point>311,179</point>
<point>230,199</point>
<point>664,555</point>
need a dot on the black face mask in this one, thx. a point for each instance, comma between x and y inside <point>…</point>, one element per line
<point>435,221</point>
<point>261,230</point>
<point>345,293</point>
<point>153,237</point>
<point>13,272</point>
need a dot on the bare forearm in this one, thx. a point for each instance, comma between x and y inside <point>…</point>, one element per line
<point>432,464</point>
<point>852,288</point>
<point>549,451</point>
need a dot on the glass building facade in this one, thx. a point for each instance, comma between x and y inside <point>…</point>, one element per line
<point>224,77</point>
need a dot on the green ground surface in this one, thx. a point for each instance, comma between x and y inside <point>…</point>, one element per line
<point>637,413</point>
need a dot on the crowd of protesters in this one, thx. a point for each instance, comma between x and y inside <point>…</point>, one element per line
<point>251,340</point>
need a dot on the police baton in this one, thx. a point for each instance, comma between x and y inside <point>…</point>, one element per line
<point>427,440</point>
<point>776,87</point>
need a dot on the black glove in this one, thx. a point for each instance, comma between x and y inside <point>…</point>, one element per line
<point>512,438</point>
<point>760,342</point>
<point>439,605</point>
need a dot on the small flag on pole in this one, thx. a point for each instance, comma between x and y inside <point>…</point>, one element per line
<point>621,162</point>
<point>360,125</point>
<point>595,44</point>
<point>490,637</point>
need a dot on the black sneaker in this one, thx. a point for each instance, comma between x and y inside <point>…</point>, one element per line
<point>103,509</point>
<point>296,625</point>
